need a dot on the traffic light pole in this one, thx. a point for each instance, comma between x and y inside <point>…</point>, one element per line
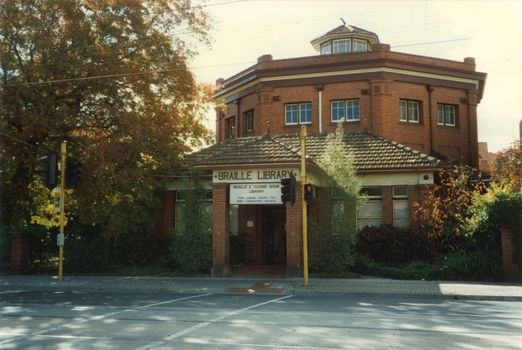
<point>304,205</point>
<point>61,235</point>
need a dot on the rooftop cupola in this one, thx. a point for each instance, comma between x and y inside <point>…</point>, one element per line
<point>345,39</point>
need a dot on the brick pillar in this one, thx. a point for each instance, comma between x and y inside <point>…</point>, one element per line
<point>220,230</point>
<point>166,220</point>
<point>511,268</point>
<point>473,159</point>
<point>19,254</point>
<point>387,205</point>
<point>294,236</point>
<point>381,117</point>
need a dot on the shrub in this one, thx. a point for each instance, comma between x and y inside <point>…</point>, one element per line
<point>86,254</point>
<point>191,247</point>
<point>330,254</point>
<point>480,265</point>
<point>192,252</point>
<point>389,244</point>
<point>458,266</point>
<point>498,206</point>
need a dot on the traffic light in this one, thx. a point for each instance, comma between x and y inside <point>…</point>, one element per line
<point>309,192</point>
<point>49,170</point>
<point>73,172</point>
<point>288,189</point>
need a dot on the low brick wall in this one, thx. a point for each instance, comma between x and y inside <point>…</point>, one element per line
<point>19,254</point>
<point>511,268</point>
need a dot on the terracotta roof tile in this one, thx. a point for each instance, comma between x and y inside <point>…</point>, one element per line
<point>371,152</point>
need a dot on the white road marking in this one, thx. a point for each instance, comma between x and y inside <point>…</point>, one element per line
<point>95,318</point>
<point>13,291</point>
<point>204,324</point>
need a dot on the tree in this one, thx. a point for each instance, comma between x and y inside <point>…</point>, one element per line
<point>332,234</point>
<point>508,166</point>
<point>112,79</point>
<point>444,211</point>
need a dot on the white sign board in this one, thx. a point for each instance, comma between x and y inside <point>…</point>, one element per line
<point>252,176</point>
<point>261,193</point>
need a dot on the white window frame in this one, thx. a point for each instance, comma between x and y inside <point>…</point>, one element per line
<point>401,213</point>
<point>401,210</point>
<point>366,214</point>
<point>305,113</point>
<point>298,113</point>
<point>234,219</point>
<point>326,48</point>
<point>409,111</point>
<point>249,116</point>
<point>231,126</point>
<point>359,45</point>
<point>446,114</point>
<point>400,191</point>
<point>350,110</point>
<point>342,46</point>
<point>292,114</point>
<point>338,111</point>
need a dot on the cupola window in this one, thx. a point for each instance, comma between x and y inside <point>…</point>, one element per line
<point>326,49</point>
<point>360,45</point>
<point>342,46</point>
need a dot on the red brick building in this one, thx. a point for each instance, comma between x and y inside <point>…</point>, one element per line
<point>404,117</point>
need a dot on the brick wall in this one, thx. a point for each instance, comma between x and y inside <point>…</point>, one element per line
<point>378,94</point>
<point>511,269</point>
<point>167,215</point>
<point>19,255</point>
<point>220,230</point>
<point>294,237</point>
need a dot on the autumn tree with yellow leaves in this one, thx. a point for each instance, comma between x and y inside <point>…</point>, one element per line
<point>443,214</point>
<point>112,79</point>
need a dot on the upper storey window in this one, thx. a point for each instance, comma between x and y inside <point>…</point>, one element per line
<point>409,111</point>
<point>446,115</point>
<point>298,113</point>
<point>345,111</point>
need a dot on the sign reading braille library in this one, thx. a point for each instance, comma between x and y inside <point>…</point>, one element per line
<point>263,193</point>
<point>252,176</point>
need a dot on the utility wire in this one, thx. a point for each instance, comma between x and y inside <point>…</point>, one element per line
<point>25,143</point>
<point>119,75</point>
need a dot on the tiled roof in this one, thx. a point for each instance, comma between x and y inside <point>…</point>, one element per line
<point>371,152</point>
<point>344,29</point>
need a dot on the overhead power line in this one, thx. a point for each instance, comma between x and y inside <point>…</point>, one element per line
<point>25,143</point>
<point>118,75</point>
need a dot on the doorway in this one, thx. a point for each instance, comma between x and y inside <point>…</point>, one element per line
<point>274,232</point>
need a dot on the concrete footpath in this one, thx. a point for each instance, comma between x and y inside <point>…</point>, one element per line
<point>377,288</point>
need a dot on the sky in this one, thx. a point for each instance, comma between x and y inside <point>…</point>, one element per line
<point>491,32</point>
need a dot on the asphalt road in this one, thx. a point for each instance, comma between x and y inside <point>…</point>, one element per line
<point>81,320</point>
